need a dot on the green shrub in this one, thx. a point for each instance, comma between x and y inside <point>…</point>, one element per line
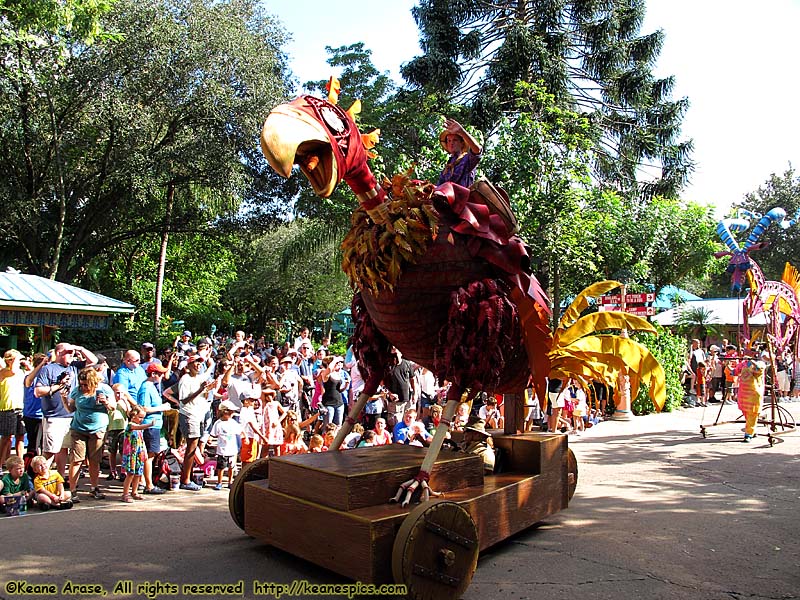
<point>669,351</point>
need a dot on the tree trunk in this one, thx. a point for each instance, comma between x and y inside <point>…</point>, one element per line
<point>556,299</point>
<point>162,259</point>
<point>58,241</point>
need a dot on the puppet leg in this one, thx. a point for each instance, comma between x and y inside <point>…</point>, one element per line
<point>408,488</point>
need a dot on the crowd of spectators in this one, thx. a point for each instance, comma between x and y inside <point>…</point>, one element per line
<point>211,401</point>
<point>711,375</point>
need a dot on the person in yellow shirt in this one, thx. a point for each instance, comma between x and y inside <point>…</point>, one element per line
<point>12,401</point>
<point>48,486</point>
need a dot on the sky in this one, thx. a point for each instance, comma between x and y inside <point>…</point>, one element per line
<point>735,61</point>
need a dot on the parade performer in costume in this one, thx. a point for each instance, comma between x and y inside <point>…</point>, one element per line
<point>751,393</point>
<point>465,153</point>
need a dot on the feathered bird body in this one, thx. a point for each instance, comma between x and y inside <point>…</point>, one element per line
<point>412,315</point>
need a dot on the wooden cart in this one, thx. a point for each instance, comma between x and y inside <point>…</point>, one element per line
<point>339,501</point>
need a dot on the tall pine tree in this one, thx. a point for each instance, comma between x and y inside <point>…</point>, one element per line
<point>591,57</point>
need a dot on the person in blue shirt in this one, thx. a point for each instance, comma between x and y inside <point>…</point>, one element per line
<point>410,431</point>
<point>130,373</point>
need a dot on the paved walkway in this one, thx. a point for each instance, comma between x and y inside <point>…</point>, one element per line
<point>659,513</point>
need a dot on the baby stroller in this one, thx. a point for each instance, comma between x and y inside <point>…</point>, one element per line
<point>172,464</point>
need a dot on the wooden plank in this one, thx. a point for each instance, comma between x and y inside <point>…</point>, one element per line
<point>513,412</point>
<point>362,477</point>
<point>531,452</point>
<point>340,541</point>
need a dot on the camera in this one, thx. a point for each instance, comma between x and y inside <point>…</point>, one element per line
<point>62,377</point>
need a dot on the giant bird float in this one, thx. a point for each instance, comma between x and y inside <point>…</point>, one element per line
<point>440,274</point>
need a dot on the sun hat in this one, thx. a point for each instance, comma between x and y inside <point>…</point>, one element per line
<point>228,405</point>
<point>477,425</point>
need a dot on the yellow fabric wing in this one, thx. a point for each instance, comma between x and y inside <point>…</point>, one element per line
<point>600,321</point>
<point>639,362</point>
<point>581,301</point>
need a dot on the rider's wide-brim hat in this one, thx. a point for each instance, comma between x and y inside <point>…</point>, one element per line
<point>477,425</point>
<point>443,139</point>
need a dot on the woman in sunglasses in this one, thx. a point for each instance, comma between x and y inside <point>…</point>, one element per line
<point>89,403</point>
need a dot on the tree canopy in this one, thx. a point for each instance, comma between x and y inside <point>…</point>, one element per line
<point>127,126</point>
<point>94,136</point>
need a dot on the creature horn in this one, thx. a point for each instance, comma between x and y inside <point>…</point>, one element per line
<point>334,87</point>
<point>727,227</point>
<point>785,224</point>
<point>775,215</point>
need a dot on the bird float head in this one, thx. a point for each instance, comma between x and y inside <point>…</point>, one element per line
<point>323,140</point>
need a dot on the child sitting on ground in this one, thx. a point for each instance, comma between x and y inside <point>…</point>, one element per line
<point>491,414</point>
<point>367,439</point>
<point>351,439</point>
<point>48,485</point>
<point>328,435</point>
<point>316,443</point>
<point>225,429</point>
<point>15,483</point>
<point>134,454</point>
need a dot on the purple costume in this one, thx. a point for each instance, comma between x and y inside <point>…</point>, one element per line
<point>460,169</point>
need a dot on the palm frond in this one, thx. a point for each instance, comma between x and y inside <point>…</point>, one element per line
<point>315,236</point>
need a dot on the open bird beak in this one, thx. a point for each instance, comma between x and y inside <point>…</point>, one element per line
<point>292,137</point>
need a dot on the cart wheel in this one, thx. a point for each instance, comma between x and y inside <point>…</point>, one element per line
<point>572,473</point>
<point>703,432</point>
<point>771,440</point>
<point>253,471</point>
<point>435,553</point>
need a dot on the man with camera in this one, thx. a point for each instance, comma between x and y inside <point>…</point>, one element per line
<point>58,377</point>
<point>401,386</point>
<point>193,389</point>
<point>238,377</point>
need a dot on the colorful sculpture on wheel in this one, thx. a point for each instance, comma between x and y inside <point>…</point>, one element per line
<point>778,299</point>
<point>440,274</point>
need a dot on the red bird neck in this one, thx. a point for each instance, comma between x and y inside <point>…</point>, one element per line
<point>365,186</point>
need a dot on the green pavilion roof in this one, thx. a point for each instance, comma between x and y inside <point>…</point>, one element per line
<point>35,301</point>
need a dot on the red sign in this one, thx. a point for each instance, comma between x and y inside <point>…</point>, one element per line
<point>629,298</point>
<point>639,311</point>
